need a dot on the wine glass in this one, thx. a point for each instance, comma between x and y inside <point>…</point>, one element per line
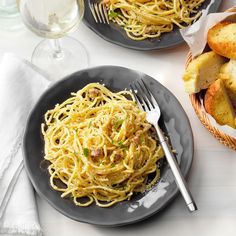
<point>53,19</point>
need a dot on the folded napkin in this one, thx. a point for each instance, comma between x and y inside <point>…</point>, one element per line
<point>21,84</point>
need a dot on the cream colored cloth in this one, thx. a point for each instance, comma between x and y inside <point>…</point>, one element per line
<point>21,84</point>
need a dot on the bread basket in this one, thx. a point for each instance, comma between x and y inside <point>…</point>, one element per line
<point>195,99</point>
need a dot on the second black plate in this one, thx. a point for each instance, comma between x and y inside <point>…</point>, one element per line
<point>115,34</point>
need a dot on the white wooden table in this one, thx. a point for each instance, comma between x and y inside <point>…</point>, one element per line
<point>212,178</point>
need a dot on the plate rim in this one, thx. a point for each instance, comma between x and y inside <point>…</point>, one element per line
<point>133,220</point>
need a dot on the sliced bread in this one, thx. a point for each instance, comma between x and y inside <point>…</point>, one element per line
<point>228,74</point>
<point>202,71</point>
<point>218,104</point>
<point>221,38</point>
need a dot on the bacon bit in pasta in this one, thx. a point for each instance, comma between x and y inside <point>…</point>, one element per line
<point>138,119</point>
<point>151,29</point>
<point>93,92</point>
<point>109,128</point>
<point>136,139</point>
<point>96,153</point>
<point>117,157</point>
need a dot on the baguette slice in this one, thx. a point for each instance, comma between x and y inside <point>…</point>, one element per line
<point>228,74</point>
<point>221,38</point>
<point>202,71</point>
<point>218,104</point>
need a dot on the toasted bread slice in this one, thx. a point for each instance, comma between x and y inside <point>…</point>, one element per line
<point>228,74</point>
<point>218,104</point>
<point>202,71</point>
<point>221,38</point>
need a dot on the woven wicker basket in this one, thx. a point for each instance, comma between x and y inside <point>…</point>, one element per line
<point>202,115</point>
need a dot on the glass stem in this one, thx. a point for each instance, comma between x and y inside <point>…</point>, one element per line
<point>57,49</point>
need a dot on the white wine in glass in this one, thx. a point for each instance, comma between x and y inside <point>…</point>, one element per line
<point>53,19</point>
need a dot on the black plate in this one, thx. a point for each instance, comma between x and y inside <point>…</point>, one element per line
<point>173,120</point>
<point>115,34</point>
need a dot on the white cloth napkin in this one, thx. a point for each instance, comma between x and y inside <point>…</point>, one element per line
<point>21,84</point>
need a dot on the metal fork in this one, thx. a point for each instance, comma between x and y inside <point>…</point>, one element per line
<point>146,101</point>
<point>99,12</point>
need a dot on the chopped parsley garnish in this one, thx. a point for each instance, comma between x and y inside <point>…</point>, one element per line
<point>102,162</point>
<point>142,138</point>
<point>118,123</point>
<point>86,152</point>
<point>124,25</point>
<point>112,14</point>
<point>121,145</point>
<point>90,123</point>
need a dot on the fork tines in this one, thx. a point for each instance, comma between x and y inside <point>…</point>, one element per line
<point>143,95</point>
<point>99,12</point>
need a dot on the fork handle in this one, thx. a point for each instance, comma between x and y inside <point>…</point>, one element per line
<point>179,179</point>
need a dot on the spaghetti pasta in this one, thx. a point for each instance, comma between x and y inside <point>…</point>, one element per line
<point>143,19</point>
<point>99,147</point>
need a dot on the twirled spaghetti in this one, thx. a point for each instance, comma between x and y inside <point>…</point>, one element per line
<point>143,19</point>
<point>99,146</point>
